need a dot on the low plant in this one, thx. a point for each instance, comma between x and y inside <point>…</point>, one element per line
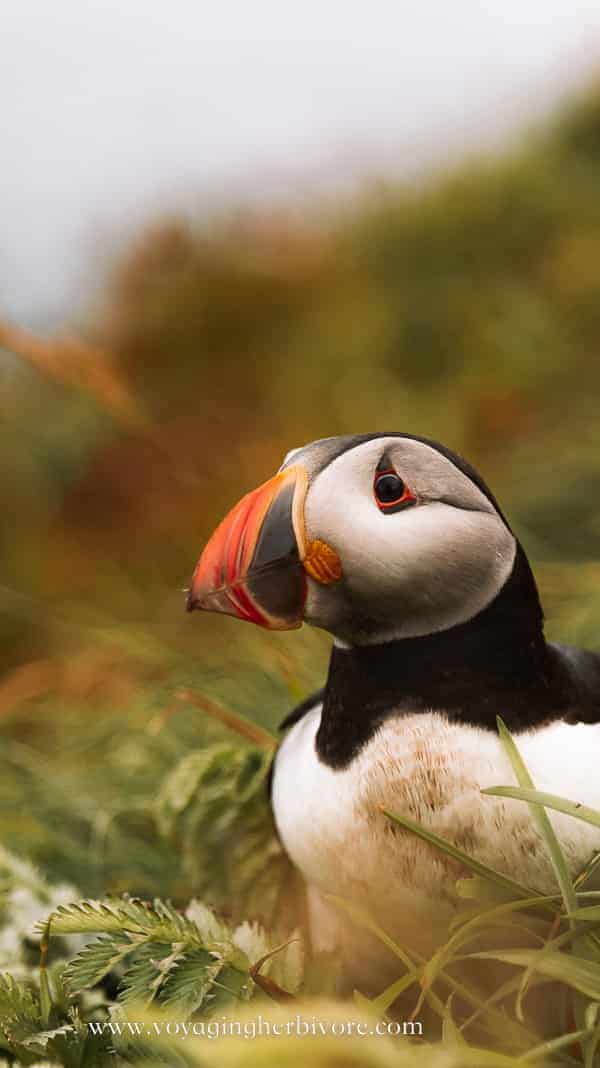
<point>88,977</point>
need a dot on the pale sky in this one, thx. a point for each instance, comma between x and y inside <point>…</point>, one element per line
<point>112,110</point>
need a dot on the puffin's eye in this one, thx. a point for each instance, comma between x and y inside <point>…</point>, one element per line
<point>389,488</point>
<point>391,493</point>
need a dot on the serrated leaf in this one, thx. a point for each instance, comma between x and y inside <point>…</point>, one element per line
<point>94,961</point>
<point>121,915</point>
<point>41,1039</point>
<point>145,972</point>
<point>228,989</point>
<point>251,940</point>
<point>19,1009</point>
<point>88,916</point>
<point>209,776</point>
<point>183,782</point>
<point>190,981</point>
<point>17,996</point>
<point>214,804</point>
<point>212,930</point>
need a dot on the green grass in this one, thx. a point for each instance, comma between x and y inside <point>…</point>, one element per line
<point>168,803</point>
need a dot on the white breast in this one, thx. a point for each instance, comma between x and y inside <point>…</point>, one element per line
<point>423,766</point>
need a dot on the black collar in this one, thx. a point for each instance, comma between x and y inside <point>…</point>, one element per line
<point>498,663</point>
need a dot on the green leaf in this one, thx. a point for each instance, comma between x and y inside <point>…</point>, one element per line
<point>94,961</point>
<point>190,981</point>
<point>180,787</point>
<point>121,915</point>
<point>214,806</point>
<point>42,1039</point>
<point>20,1012</point>
<point>82,917</point>
<point>212,930</point>
<point>147,971</point>
<point>229,988</point>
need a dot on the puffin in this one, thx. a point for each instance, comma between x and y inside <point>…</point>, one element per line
<point>395,545</point>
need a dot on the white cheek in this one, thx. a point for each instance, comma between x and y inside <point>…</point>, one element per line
<point>424,543</point>
<point>423,569</point>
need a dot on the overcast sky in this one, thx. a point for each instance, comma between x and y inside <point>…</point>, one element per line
<point>113,109</point>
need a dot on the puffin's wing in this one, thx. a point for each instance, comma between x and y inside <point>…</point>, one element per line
<point>300,710</point>
<point>583,670</point>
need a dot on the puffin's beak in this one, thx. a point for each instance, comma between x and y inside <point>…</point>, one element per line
<point>252,566</point>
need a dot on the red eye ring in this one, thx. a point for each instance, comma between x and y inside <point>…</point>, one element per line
<point>391,492</point>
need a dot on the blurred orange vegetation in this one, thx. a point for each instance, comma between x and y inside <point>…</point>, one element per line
<point>70,361</point>
<point>468,310</point>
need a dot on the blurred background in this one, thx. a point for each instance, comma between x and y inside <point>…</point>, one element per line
<point>228,230</point>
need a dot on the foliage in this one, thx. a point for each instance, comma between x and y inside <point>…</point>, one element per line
<point>165,802</point>
<point>195,965</point>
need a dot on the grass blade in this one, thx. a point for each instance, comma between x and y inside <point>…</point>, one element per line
<point>592,912</point>
<point>577,972</point>
<point>587,872</point>
<point>541,819</point>
<point>553,801</point>
<point>553,1045</point>
<point>513,887</point>
<point>497,1022</point>
<point>471,928</point>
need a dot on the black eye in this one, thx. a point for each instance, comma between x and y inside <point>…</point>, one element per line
<point>389,488</point>
<point>391,493</point>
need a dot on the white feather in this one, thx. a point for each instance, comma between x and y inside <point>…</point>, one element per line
<point>432,770</point>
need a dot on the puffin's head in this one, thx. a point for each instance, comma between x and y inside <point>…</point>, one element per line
<point>372,537</point>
